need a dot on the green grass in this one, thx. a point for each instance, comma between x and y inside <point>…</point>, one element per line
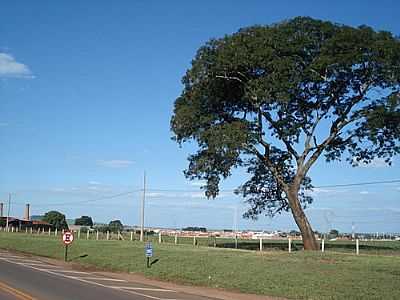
<point>298,275</point>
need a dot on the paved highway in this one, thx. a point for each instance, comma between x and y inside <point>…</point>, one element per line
<point>27,278</point>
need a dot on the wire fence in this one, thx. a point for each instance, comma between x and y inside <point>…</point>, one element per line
<point>351,208</point>
<point>289,244</point>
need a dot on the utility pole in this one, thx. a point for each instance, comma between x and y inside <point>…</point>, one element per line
<point>8,210</point>
<point>235,229</point>
<point>142,211</point>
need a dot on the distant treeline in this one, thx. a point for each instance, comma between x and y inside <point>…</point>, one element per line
<point>201,229</point>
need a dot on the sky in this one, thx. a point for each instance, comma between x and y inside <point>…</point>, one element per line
<point>86,95</point>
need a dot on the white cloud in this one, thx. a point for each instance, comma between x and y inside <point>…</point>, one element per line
<point>375,163</point>
<point>155,195</point>
<point>325,191</point>
<point>115,163</point>
<point>364,192</point>
<point>197,195</point>
<point>94,182</point>
<point>10,68</point>
<point>57,190</point>
<point>198,183</point>
<point>186,195</point>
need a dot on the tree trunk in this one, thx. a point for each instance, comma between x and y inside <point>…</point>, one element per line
<point>309,240</point>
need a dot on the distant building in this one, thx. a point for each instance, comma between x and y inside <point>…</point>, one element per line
<point>22,224</point>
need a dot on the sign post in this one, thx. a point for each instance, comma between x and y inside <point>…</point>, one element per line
<point>67,238</point>
<point>149,253</point>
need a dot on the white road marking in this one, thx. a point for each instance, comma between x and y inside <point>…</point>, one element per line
<point>142,289</point>
<point>71,271</point>
<point>26,261</point>
<point>43,265</point>
<point>14,256</point>
<point>104,278</point>
<point>86,281</point>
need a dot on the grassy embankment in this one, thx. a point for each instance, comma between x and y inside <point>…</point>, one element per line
<point>298,275</point>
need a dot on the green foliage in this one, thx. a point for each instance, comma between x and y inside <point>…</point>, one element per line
<point>56,219</point>
<point>190,228</point>
<point>274,99</point>
<point>115,226</point>
<point>333,233</point>
<point>84,221</point>
<point>84,229</point>
<point>102,228</point>
<point>2,222</point>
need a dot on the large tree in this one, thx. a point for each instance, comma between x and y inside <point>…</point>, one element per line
<point>56,219</point>
<point>84,221</point>
<point>115,226</point>
<point>274,99</point>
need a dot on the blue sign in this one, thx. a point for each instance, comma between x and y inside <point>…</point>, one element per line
<point>149,250</point>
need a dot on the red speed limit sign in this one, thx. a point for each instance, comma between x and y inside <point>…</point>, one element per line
<point>68,238</point>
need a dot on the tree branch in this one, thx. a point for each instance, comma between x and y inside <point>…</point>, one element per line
<point>265,158</point>
<point>335,129</point>
<point>273,123</point>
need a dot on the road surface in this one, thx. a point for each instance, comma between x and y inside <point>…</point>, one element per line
<point>27,278</point>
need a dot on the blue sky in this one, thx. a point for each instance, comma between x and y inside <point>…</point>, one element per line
<point>86,95</point>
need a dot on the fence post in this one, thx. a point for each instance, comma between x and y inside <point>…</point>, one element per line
<point>290,245</point>
<point>55,232</point>
<point>108,235</point>
<point>97,235</point>
<point>49,231</point>
<point>261,244</point>
<point>31,230</point>
<point>87,234</point>
<point>357,247</point>
<point>323,245</point>
<point>79,234</point>
<point>176,239</point>
<point>194,240</point>
<point>159,237</point>
<point>43,230</point>
<point>131,235</point>
<point>26,229</point>
<point>236,241</point>
<point>12,229</point>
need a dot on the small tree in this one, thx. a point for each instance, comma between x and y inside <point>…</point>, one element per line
<point>275,99</point>
<point>84,221</point>
<point>334,233</point>
<point>102,228</point>
<point>56,219</point>
<point>115,226</point>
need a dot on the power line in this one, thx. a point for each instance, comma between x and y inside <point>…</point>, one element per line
<point>320,186</point>
<point>359,183</point>
<point>196,191</point>
<point>88,201</point>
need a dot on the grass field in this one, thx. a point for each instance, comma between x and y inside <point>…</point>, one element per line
<point>298,275</point>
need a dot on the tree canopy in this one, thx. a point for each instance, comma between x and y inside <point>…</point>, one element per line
<point>56,219</point>
<point>84,221</point>
<point>274,99</point>
<point>115,226</point>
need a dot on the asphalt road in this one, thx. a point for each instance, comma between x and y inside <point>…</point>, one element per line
<point>27,278</point>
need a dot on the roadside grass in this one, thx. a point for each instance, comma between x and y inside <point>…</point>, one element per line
<point>298,275</point>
